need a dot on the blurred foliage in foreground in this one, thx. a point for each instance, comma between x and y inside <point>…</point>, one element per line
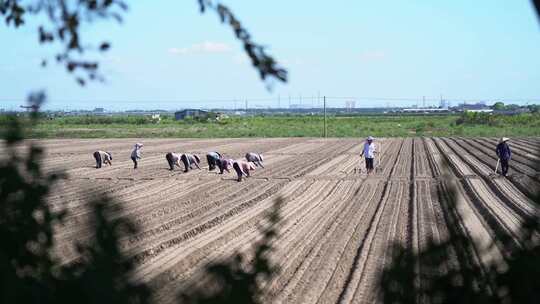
<point>31,273</point>
<point>452,270</point>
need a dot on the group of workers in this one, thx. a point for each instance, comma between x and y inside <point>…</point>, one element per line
<point>253,160</point>
<point>214,159</point>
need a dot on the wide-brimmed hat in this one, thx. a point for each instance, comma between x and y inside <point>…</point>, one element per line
<point>503,139</point>
<point>370,138</point>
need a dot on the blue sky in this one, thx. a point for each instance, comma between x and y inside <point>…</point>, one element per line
<point>167,55</point>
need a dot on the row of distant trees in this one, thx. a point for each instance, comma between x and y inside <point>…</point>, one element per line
<point>500,106</point>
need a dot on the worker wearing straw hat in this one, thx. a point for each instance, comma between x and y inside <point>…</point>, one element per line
<point>504,154</point>
<point>369,151</point>
<point>136,154</point>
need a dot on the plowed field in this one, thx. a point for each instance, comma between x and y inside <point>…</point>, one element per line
<point>338,224</point>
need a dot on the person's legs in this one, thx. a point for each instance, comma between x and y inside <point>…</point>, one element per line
<point>97,156</point>
<point>238,171</point>
<point>169,158</point>
<point>186,162</point>
<point>211,162</point>
<point>220,166</point>
<point>504,166</point>
<point>369,165</point>
<point>134,162</point>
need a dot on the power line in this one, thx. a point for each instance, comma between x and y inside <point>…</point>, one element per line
<point>276,99</point>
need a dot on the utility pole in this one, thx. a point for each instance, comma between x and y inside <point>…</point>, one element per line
<point>423,101</point>
<point>324,101</point>
<point>246,106</point>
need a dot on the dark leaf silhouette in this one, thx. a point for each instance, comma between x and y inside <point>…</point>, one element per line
<point>65,18</point>
<point>447,273</point>
<point>29,272</point>
<point>264,63</point>
<point>237,281</point>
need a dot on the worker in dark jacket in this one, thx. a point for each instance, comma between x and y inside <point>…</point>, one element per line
<point>255,158</point>
<point>504,154</point>
<point>224,165</point>
<point>212,158</point>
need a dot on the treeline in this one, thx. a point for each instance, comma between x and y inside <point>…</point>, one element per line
<point>499,120</point>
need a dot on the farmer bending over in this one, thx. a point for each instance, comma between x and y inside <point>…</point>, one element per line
<point>224,164</point>
<point>369,152</point>
<point>212,158</point>
<point>242,168</point>
<point>504,154</point>
<point>190,159</point>
<point>102,157</point>
<point>173,159</point>
<point>255,158</point>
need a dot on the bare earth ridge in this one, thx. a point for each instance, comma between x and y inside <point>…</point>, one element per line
<point>338,225</point>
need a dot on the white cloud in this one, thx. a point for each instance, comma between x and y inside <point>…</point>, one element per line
<point>372,55</point>
<point>200,48</point>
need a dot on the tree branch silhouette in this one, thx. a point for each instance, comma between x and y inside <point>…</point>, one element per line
<point>65,18</point>
<point>237,281</point>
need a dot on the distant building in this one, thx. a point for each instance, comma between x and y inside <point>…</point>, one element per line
<point>424,110</point>
<point>99,110</point>
<point>478,110</point>
<point>474,107</point>
<point>193,113</point>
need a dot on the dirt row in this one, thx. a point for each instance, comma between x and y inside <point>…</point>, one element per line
<point>339,225</point>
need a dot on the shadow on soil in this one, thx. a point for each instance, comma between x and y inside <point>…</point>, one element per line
<point>450,272</point>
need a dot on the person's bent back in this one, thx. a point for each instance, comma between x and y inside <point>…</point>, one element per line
<point>102,157</point>
<point>189,160</point>
<point>212,158</point>
<point>242,168</point>
<point>255,158</point>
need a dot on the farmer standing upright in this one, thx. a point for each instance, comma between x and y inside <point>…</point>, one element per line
<point>369,153</point>
<point>136,154</point>
<point>504,153</point>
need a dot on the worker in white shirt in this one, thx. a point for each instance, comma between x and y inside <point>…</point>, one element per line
<point>368,152</point>
<point>102,157</point>
<point>136,154</point>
